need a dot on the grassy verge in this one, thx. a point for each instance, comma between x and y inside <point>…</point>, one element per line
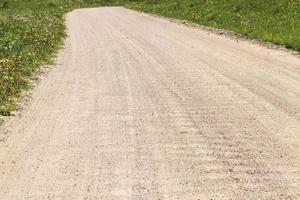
<point>276,21</point>
<point>30,33</point>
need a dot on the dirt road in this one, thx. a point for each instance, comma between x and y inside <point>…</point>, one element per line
<point>140,108</point>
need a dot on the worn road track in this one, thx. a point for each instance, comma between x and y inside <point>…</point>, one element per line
<point>139,107</point>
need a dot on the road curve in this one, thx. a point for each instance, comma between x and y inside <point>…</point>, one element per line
<point>142,108</point>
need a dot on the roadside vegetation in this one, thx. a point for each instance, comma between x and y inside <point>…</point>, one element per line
<point>31,31</point>
<point>276,21</point>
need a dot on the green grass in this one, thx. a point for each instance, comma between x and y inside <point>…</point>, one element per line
<point>31,31</point>
<point>29,34</point>
<point>276,21</point>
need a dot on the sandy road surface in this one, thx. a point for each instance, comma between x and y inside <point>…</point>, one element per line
<point>142,108</point>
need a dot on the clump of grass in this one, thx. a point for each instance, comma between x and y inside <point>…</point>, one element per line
<point>276,21</point>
